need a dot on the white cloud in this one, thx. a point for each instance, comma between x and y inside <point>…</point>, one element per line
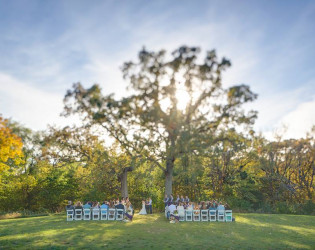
<point>300,120</point>
<point>30,106</point>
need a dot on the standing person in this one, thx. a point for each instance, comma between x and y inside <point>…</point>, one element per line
<point>147,207</point>
<point>166,199</point>
<point>150,205</point>
<point>187,199</point>
<point>143,211</point>
<point>171,199</point>
<point>177,200</point>
<point>182,199</point>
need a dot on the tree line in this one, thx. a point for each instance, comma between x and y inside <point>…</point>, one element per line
<point>206,150</point>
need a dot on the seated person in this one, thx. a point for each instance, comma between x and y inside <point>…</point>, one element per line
<point>96,205</point>
<point>78,205</point>
<point>129,212</point>
<point>174,218</point>
<point>189,207</point>
<point>120,206</point>
<point>207,205</point>
<point>181,210</point>
<point>69,206</point>
<point>104,205</point>
<point>172,208</point>
<point>203,205</point>
<point>87,205</point>
<point>197,208</point>
<point>212,206</point>
<point>220,207</point>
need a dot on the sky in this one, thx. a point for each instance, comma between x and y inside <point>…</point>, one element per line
<point>46,46</point>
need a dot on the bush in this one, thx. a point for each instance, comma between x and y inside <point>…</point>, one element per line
<point>308,208</point>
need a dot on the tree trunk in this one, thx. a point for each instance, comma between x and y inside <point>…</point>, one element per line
<point>169,176</point>
<point>170,165</point>
<point>124,182</point>
<point>168,181</point>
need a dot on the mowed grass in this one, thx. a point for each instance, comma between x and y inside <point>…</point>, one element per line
<point>250,231</point>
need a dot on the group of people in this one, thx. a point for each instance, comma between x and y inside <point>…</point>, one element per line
<point>146,206</point>
<point>170,207</point>
<point>170,199</point>
<point>123,204</point>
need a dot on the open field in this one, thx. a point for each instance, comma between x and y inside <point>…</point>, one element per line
<point>250,231</point>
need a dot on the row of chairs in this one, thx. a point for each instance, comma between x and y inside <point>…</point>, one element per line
<point>95,214</point>
<point>204,215</point>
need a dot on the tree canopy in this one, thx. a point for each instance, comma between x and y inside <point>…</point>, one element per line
<point>150,122</point>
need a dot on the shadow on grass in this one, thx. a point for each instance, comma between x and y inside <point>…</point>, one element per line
<point>153,231</point>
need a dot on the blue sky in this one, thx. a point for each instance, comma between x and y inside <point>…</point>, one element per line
<point>45,46</point>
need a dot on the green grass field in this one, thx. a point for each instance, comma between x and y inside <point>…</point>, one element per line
<point>250,231</point>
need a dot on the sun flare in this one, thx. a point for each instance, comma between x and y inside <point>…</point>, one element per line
<point>182,99</point>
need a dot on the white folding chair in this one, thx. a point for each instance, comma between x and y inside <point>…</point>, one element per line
<point>70,215</point>
<point>212,215</point>
<point>189,216</point>
<point>119,214</point>
<point>196,215</point>
<point>181,214</point>
<point>104,213</point>
<point>95,213</point>
<point>111,213</point>
<point>204,215</point>
<point>220,215</point>
<point>78,214</point>
<point>86,214</point>
<point>228,215</point>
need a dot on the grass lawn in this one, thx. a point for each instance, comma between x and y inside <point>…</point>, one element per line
<point>250,231</point>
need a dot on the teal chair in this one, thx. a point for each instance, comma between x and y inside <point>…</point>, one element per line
<point>228,215</point>
<point>189,214</point>
<point>86,212</point>
<point>213,215</point>
<point>104,212</point>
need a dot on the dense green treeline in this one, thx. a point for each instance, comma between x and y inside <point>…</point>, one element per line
<point>252,174</point>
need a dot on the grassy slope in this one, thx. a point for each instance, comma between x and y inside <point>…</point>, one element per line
<point>260,231</point>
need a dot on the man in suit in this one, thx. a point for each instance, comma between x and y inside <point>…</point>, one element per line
<point>177,200</point>
<point>166,199</point>
<point>70,206</point>
<point>187,199</point>
<point>120,206</point>
<point>150,205</point>
<point>182,199</point>
<point>147,207</point>
<point>171,199</point>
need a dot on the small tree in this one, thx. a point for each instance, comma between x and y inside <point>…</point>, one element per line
<point>150,122</point>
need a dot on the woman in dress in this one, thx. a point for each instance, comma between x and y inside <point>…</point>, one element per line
<point>143,211</point>
<point>129,212</point>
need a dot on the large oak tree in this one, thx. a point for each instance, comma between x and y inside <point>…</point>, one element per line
<point>150,122</point>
